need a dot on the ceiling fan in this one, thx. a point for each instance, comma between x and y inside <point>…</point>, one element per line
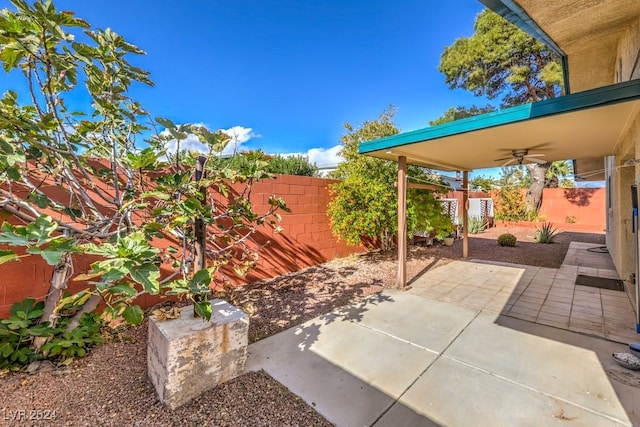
<point>520,156</point>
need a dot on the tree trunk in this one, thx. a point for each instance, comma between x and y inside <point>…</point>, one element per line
<point>88,307</point>
<point>59,280</point>
<point>537,174</point>
<point>552,182</point>
<point>200,231</point>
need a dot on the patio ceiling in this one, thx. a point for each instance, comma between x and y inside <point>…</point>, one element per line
<point>581,125</point>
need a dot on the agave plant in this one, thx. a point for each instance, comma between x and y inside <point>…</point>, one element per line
<point>545,233</point>
<point>477,225</point>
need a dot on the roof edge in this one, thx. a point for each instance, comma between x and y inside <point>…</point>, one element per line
<point>606,95</point>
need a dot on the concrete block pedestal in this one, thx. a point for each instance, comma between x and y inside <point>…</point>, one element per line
<point>189,355</point>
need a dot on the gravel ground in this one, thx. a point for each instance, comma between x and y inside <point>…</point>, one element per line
<point>109,387</point>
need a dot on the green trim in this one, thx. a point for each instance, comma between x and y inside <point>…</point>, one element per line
<point>599,97</point>
<point>513,13</point>
<point>565,75</point>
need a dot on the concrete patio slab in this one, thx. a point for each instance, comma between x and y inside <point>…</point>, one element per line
<point>547,296</point>
<point>380,362</point>
<point>454,394</point>
<point>555,366</point>
<point>431,326</point>
<point>349,372</point>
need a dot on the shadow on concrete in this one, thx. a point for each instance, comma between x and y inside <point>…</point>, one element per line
<point>349,313</point>
<point>427,268</point>
<point>625,383</point>
<point>336,367</point>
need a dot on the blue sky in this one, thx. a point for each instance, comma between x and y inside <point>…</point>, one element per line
<point>288,74</point>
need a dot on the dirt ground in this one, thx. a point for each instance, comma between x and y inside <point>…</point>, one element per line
<point>109,387</point>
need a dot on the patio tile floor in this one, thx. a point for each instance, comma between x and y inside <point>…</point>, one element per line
<point>548,296</point>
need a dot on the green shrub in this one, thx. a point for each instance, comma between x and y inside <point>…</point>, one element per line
<point>288,165</point>
<point>507,239</point>
<point>510,205</point>
<point>18,332</point>
<point>65,346</point>
<point>477,225</point>
<point>545,233</point>
<point>292,165</point>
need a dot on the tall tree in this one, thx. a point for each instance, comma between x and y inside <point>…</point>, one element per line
<point>461,112</point>
<point>500,61</point>
<point>557,173</point>
<point>365,200</point>
<point>482,183</point>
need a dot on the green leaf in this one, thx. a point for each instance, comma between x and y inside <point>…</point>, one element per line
<point>156,194</point>
<point>203,309</point>
<point>40,230</point>
<point>133,314</point>
<point>129,291</point>
<point>147,275</point>
<point>6,256</point>
<point>41,330</point>
<point>13,235</point>
<point>26,309</point>
<point>51,256</point>
<point>17,322</point>
<point>165,122</point>
<point>73,213</point>
<point>41,200</point>
<point>14,173</point>
<point>10,55</point>
<point>114,273</point>
<point>144,159</point>
<point>6,349</point>
<point>202,278</point>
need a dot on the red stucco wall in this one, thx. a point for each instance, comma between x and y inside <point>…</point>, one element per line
<point>586,205</point>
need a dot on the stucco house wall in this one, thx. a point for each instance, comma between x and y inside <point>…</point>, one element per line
<point>621,174</point>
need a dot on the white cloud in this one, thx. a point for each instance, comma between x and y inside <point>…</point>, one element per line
<point>239,135</point>
<point>322,157</point>
<point>191,143</point>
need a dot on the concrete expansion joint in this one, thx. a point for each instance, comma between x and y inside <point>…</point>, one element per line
<point>438,356</point>
<point>535,390</point>
<point>393,336</point>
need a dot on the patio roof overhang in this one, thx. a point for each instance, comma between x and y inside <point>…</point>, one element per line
<point>588,124</point>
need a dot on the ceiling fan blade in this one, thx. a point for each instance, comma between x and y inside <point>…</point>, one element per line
<point>503,158</point>
<point>508,162</point>
<point>536,155</point>
<point>534,160</point>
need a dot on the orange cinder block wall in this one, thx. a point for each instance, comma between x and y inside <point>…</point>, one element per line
<point>306,240</point>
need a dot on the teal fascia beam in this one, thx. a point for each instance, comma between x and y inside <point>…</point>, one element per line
<point>513,13</point>
<point>599,97</point>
